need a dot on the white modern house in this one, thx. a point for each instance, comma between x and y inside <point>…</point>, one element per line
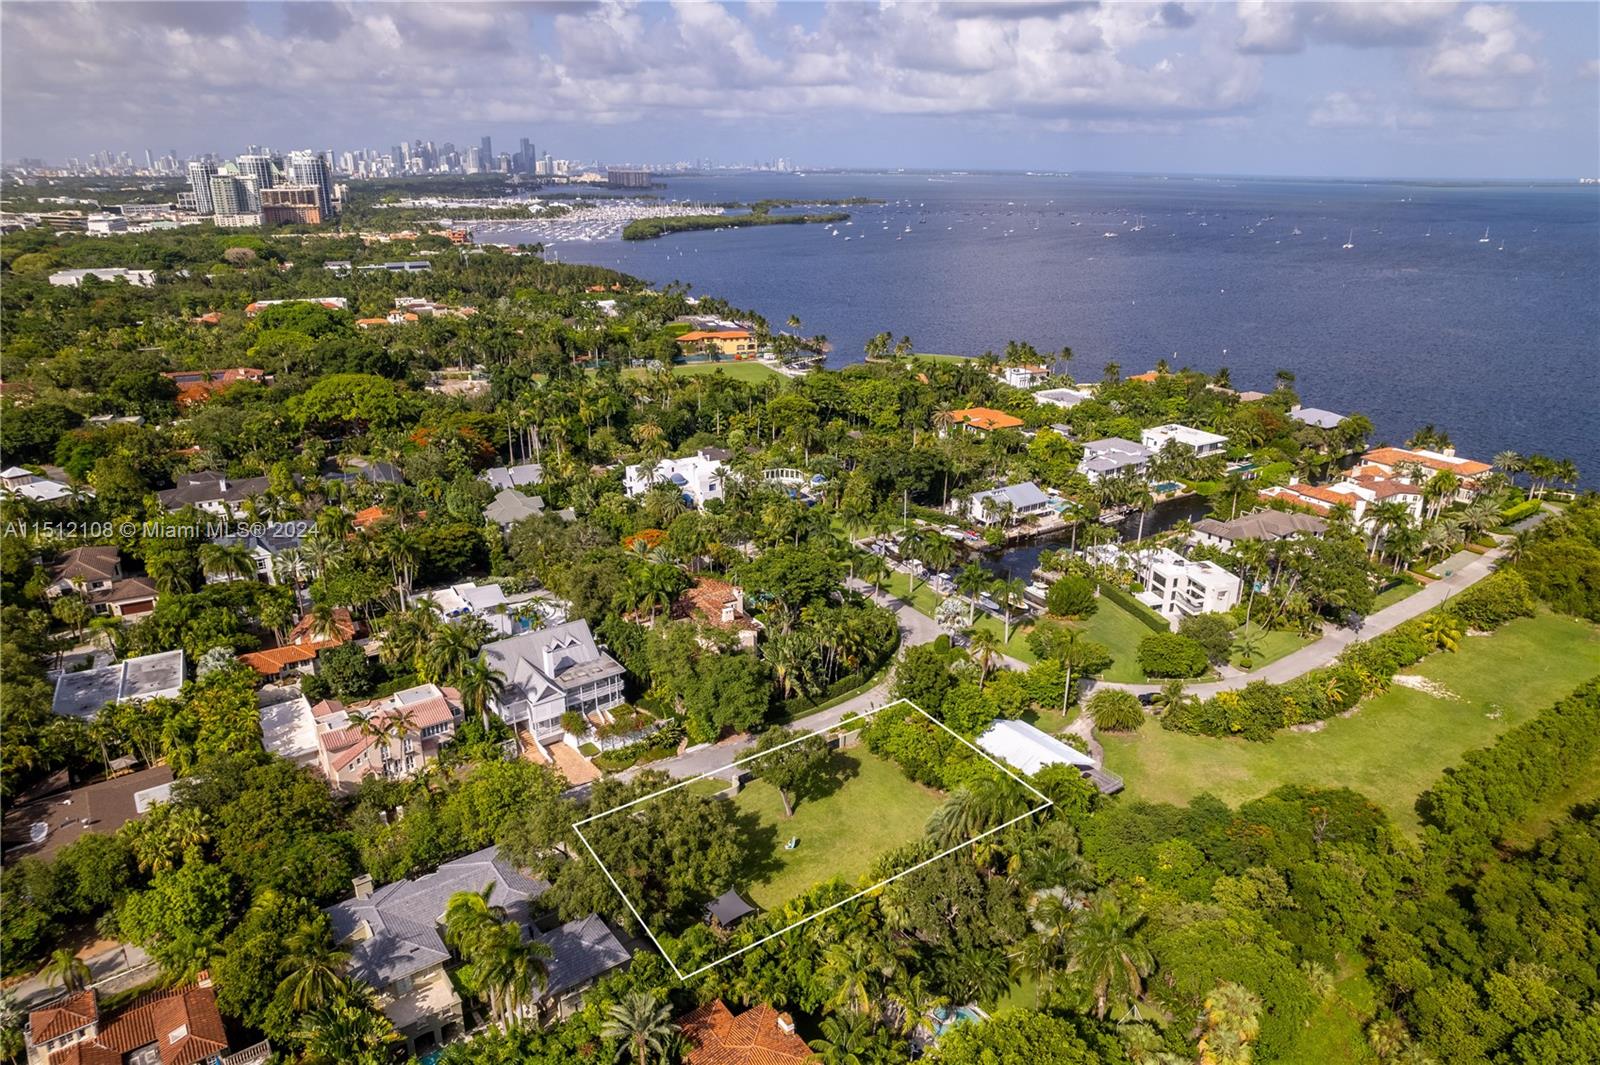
<point>701,476</point>
<point>1024,376</point>
<point>1113,457</point>
<point>1062,397</point>
<point>506,614</point>
<point>1316,416</point>
<point>1013,502</point>
<point>1027,749</point>
<point>74,278</point>
<point>1204,444</point>
<point>1176,587</point>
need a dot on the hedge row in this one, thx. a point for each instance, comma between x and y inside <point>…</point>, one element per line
<point>1517,512</point>
<point>1147,617</point>
<point>1494,788</point>
<point>1261,709</point>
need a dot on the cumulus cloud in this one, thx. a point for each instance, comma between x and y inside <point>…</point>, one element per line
<point>1484,64</point>
<point>1270,27</point>
<point>1365,109</point>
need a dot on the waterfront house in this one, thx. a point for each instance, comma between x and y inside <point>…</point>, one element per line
<point>701,477</point>
<point>1358,492</point>
<point>1024,376</point>
<point>1008,503</point>
<point>732,343</point>
<point>550,671</point>
<point>1316,417</point>
<point>979,420</point>
<point>1260,525</point>
<point>1204,444</point>
<point>1423,465</point>
<point>1113,457</point>
<point>1176,587</point>
<point>95,573</point>
<point>81,694</point>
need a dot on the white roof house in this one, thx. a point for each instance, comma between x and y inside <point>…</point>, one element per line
<point>83,693</point>
<point>1322,419</point>
<point>490,603</point>
<point>526,475</point>
<point>1199,441</point>
<point>1177,587</point>
<point>74,278</point>
<point>1024,376</point>
<point>1025,500</point>
<point>1062,397</point>
<point>1113,456</point>
<point>1029,750</point>
<point>701,476</point>
<point>30,485</point>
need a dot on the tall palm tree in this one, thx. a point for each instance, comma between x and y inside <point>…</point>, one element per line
<point>972,580</point>
<point>854,969</point>
<point>1009,593</point>
<point>313,966</point>
<point>1104,946</point>
<point>227,561</point>
<point>641,1024</point>
<point>480,684</point>
<point>975,809</point>
<point>983,645</point>
<point>449,652</point>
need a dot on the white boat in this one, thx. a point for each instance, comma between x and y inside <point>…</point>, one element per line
<point>1108,233</point>
<point>1502,246</point>
<point>1139,228</point>
<point>1296,232</point>
<point>1485,238</point>
<point>1351,242</point>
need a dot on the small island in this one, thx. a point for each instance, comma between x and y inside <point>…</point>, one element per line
<point>760,214</point>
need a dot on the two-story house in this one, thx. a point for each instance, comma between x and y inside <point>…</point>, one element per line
<point>390,737</point>
<point>550,671</point>
<point>96,574</point>
<point>701,477</point>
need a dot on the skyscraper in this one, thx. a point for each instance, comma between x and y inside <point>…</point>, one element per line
<point>485,150</point>
<point>261,169</point>
<point>228,195</point>
<point>200,174</point>
<point>310,168</point>
<point>525,156</point>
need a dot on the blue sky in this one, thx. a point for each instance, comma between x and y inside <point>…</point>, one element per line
<point>1330,89</point>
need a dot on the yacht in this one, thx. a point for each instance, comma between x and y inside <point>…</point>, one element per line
<point>1351,241</point>
<point>1108,233</point>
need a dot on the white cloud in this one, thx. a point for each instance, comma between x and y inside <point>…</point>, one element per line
<point>1365,109</point>
<point>1484,64</point>
<point>1274,27</point>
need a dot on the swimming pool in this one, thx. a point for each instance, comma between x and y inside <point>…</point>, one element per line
<point>944,1018</point>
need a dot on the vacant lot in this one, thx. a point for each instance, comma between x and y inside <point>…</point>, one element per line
<point>874,809</point>
<point>1394,746</point>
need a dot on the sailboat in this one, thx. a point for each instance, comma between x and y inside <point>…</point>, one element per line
<point>1296,232</point>
<point>1139,228</point>
<point>1351,242</point>
<point>1485,238</point>
<point>1502,246</point>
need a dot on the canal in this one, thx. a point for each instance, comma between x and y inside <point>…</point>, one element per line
<point>1020,560</point>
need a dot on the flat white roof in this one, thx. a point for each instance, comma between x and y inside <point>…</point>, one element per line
<point>1029,749</point>
<point>289,729</point>
<point>1186,434</point>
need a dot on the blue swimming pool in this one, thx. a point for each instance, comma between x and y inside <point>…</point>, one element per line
<point>945,1018</point>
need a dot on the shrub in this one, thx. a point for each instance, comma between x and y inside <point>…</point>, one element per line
<point>1168,654</point>
<point>1518,511</point>
<point>1071,597</point>
<point>1212,632</point>
<point>1115,711</point>
<point>1143,614</point>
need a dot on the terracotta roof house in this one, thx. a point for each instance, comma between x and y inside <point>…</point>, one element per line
<point>299,653</point>
<point>983,419</point>
<point>720,605</point>
<point>176,1026</point>
<point>758,1036</point>
<point>197,386</point>
<point>423,718</point>
<point>740,343</point>
<point>1391,460</point>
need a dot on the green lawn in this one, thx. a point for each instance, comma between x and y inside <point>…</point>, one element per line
<point>1394,746</point>
<point>753,372</point>
<point>1391,596</point>
<point>875,810</point>
<point>1121,632</point>
<point>1275,643</point>
<point>927,601</point>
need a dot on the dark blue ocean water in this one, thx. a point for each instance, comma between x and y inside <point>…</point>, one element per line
<point>1420,322</point>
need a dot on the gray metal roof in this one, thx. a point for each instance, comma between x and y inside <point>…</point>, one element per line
<point>404,917</point>
<point>529,473</point>
<point>273,539</point>
<point>510,506</point>
<point>1322,419</point>
<point>562,656</point>
<point>210,486</point>
<point>580,952</point>
<point>1261,525</point>
<point>1020,496</point>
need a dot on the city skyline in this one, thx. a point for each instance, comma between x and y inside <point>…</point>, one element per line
<point>1369,90</point>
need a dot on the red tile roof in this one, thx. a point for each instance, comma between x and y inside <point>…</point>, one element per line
<point>986,418</point>
<point>751,1038</point>
<point>1394,456</point>
<point>68,1015</point>
<point>182,1023</point>
<point>721,334</point>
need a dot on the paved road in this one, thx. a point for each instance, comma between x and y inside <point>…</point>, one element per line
<point>110,971</point>
<point>1463,570</point>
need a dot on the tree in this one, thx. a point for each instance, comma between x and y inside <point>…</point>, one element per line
<point>1014,1035</point>
<point>346,669</point>
<point>1009,593</point>
<point>313,967</point>
<point>68,970</point>
<point>1105,949</point>
<point>480,684</point>
<point>1114,710</point>
<point>1211,632</point>
<point>1071,597</point>
<point>972,580</point>
<point>1232,1023</point>
<point>983,645</point>
<point>794,763</point>
<point>1442,630</point>
<point>1169,654</point>
<point>641,1023</point>
<point>349,1031</point>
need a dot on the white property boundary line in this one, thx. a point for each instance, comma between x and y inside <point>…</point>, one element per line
<point>1045,803</point>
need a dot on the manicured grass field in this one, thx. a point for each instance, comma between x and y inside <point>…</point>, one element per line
<point>1275,643</point>
<point>1395,745</point>
<point>1391,596</point>
<point>874,810</point>
<point>1121,632</point>
<point>753,372</point>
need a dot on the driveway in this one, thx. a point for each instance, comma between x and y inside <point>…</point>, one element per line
<point>110,971</point>
<point>1461,570</point>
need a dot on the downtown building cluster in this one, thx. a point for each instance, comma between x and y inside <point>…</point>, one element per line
<point>260,188</point>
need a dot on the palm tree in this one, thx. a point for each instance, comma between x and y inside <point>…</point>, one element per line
<point>641,1024</point>
<point>1009,593</point>
<point>1442,630</point>
<point>313,967</point>
<point>480,684</point>
<point>68,970</point>
<point>1232,1023</point>
<point>349,1031</point>
<point>975,809</point>
<point>972,580</point>
<point>847,1039</point>
<point>227,561</point>
<point>1248,646</point>
<point>447,655</point>
<point>912,998</point>
<point>983,645</point>
<point>74,611</point>
<point>1105,947</point>
<point>1172,696</point>
<point>853,969</point>
<point>871,568</point>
